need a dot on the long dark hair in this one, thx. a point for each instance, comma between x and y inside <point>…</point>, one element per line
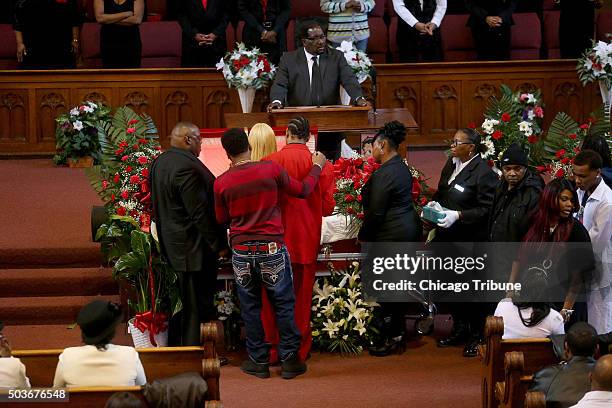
<point>548,207</point>
<point>532,287</point>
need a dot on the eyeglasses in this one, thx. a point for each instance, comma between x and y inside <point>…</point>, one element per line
<point>318,38</point>
<point>456,143</point>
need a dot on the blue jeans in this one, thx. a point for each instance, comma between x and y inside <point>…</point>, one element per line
<point>273,271</point>
<point>361,45</point>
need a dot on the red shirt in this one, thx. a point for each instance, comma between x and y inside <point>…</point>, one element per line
<point>302,217</point>
<point>247,197</point>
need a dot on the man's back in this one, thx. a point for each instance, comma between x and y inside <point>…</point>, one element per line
<point>564,384</point>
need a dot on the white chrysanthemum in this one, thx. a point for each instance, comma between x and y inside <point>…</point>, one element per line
<point>525,127</point>
<point>74,112</point>
<point>530,114</point>
<point>490,148</point>
<point>77,125</point>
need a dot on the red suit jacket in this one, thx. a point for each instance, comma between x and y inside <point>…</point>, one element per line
<point>302,217</point>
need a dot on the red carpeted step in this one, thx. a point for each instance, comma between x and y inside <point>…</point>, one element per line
<point>54,336</point>
<point>44,310</point>
<point>57,282</point>
<point>58,257</point>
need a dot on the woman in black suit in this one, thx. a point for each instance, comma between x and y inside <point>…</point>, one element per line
<point>389,216</point>
<point>466,189</point>
<point>204,24</point>
<point>120,45</point>
<point>265,25</point>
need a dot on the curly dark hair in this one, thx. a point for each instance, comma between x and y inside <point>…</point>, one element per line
<point>299,127</point>
<point>235,141</point>
<point>394,132</point>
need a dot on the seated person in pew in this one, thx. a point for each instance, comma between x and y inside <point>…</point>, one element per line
<point>600,395</point>
<point>524,316</point>
<point>99,363</point>
<point>566,383</point>
<point>12,370</point>
<point>124,400</point>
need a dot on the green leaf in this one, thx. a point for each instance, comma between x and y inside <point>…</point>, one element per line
<point>561,126</point>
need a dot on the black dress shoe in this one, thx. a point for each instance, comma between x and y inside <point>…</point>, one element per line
<point>395,345</point>
<point>471,349</point>
<point>223,360</point>
<point>292,367</point>
<point>259,370</point>
<point>456,338</point>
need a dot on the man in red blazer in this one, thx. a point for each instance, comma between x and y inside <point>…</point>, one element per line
<point>302,220</point>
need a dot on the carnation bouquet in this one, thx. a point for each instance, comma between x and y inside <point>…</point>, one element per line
<point>512,118</point>
<point>596,64</point>
<point>340,315</point>
<point>76,132</point>
<point>357,60</point>
<point>246,68</point>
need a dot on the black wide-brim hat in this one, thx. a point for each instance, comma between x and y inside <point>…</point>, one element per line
<point>98,320</point>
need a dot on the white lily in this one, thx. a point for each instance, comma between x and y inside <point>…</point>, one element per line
<point>77,125</point>
<point>330,327</point>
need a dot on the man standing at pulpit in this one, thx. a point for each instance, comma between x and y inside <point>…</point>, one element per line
<point>311,76</point>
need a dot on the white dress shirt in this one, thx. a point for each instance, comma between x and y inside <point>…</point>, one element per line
<point>405,14</point>
<point>595,399</point>
<point>310,63</point>
<point>13,373</point>
<point>515,329</point>
<point>459,166</point>
<point>87,366</point>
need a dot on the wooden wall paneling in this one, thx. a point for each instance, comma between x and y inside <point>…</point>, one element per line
<point>218,101</point>
<point>51,102</point>
<point>96,95</point>
<point>441,101</point>
<point>402,94</point>
<point>180,105</point>
<point>476,95</point>
<point>13,116</point>
<point>567,96</point>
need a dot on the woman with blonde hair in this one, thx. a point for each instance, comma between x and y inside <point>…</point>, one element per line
<point>262,141</point>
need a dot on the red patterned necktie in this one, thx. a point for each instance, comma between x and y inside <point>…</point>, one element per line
<point>204,3</point>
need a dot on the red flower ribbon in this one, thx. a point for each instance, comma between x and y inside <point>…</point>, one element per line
<point>153,322</point>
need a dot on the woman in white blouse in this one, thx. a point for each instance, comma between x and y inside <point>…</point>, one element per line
<point>99,363</point>
<point>12,370</point>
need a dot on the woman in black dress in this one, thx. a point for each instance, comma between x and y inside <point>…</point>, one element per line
<point>389,216</point>
<point>120,44</point>
<point>47,33</point>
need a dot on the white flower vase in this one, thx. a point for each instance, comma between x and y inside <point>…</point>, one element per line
<point>606,96</point>
<point>345,98</point>
<point>247,96</point>
<point>143,340</point>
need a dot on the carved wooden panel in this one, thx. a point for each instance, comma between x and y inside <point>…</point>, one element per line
<point>442,99</point>
<point>476,97</point>
<point>139,100</point>
<point>179,105</point>
<point>13,115</point>
<point>99,95</point>
<point>216,103</point>
<point>51,104</point>
<point>401,95</point>
<point>567,96</point>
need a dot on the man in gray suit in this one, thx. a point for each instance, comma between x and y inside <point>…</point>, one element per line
<point>311,76</point>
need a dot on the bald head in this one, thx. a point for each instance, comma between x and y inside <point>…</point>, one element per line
<point>601,377</point>
<point>186,136</point>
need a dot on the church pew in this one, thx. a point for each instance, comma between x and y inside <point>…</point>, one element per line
<point>538,353</point>
<point>510,393</point>
<point>158,362</point>
<point>535,399</point>
<point>96,397</point>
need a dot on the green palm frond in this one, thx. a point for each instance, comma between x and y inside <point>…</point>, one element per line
<point>96,175</point>
<point>499,105</point>
<point>601,127</point>
<point>151,131</point>
<point>561,126</point>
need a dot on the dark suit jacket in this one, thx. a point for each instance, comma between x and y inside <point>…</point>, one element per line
<point>184,210</point>
<point>478,183</point>
<point>566,383</point>
<point>251,11</point>
<point>194,19</point>
<point>480,9</point>
<point>292,83</point>
<point>389,214</point>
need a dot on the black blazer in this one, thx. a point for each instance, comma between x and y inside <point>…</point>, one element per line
<point>292,83</point>
<point>480,9</point>
<point>184,210</point>
<point>471,192</point>
<point>194,19</point>
<point>389,214</point>
<point>251,11</point>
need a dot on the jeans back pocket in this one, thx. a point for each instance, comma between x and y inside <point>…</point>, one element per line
<point>271,270</point>
<point>242,272</point>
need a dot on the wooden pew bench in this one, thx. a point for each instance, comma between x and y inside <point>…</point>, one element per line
<point>510,393</point>
<point>537,353</point>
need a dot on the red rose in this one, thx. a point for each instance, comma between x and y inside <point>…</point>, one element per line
<point>533,139</point>
<point>123,144</point>
<point>576,150</point>
<point>572,136</point>
<point>144,172</point>
<point>134,214</point>
<point>132,122</point>
<point>348,198</point>
<point>124,158</point>
<point>105,184</point>
<point>121,211</point>
<point>505,117</point>
<point>125,195</point>
<point>113,197</point>
<point>539,112</point>
<point>359,198</point>
<point>584,126</point>
<point>143,141</point>
<point>560,173</point>
<point>135,179</point>
<point>560,153</point>
<point>471,125</point>
<point>350,210</point>
<point>142,160</point>
<point>158,148</point>
<point>565,160</point>
<point>116,179</point>
<point>130,130</point>
<point>423,201</point>
<point>361,216</point>
<point>497,135</point>
<point>119,152</point>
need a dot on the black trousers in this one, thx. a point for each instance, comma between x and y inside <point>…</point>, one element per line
<point>415,47</point>
<point>576,28</point>
<point>492,44</point>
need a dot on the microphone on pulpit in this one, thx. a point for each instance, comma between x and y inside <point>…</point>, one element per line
<point>374,88</point>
